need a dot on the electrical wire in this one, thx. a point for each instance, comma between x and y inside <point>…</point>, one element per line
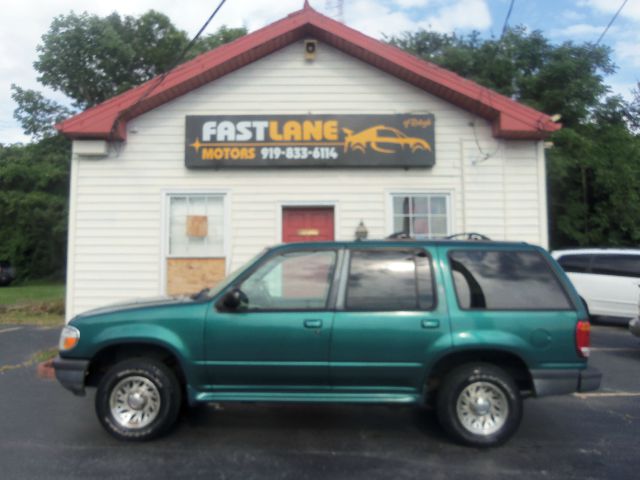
<point>488,93</point>
<point>161,78</point>
<point>611,22</point>
<point>506,20</point>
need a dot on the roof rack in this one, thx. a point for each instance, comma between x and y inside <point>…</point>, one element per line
<point>474,236</point>
<point>400,236</point>
<point>468,236</point>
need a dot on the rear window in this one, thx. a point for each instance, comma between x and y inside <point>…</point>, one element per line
<point>617,264</point>
<point>506,280</point>
<point>575,263</point>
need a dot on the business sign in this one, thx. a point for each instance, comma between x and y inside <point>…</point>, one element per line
<point>236,141</point>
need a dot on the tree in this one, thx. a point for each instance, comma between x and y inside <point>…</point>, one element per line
<point>594,166</point>
<point>566,78</point>
<point>594,173</point>
<point>91,58</point>
<point>34,184</point>
<point>633,110</point>
<point>223,35</point>
<point>37,115</point>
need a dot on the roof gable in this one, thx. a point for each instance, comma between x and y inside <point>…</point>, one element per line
<point>509,118</point>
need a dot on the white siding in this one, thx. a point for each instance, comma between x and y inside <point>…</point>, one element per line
<point>116,247</point>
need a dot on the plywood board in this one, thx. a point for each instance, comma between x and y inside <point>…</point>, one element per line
<point>190,275</point>
<point>197,226</point>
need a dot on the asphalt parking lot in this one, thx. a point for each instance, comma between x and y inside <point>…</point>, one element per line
<point>49,433</point>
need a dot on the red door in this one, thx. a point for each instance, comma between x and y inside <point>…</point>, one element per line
<point>307,224</point>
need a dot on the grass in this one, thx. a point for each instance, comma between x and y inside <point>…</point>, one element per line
<point>43,355</point>
<point>31,292</point>
<point>21,317</point>
<point>35,303</point>
<point>34,359</point>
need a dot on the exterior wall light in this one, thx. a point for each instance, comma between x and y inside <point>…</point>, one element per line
<point>310,48</point>
<point>361,232</point>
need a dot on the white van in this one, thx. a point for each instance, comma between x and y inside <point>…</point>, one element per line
<point>607,279</point>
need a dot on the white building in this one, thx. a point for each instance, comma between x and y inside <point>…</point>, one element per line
<point>172,186</point>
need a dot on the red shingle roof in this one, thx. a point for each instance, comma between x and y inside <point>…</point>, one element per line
<point>510,119</point>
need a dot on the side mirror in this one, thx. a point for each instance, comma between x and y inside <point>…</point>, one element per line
<point>233,300</point>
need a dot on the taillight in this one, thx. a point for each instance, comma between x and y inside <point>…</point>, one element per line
<point>583,338</point>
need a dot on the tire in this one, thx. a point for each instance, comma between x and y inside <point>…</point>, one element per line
<point>144,390</point>
<point>494,392</point>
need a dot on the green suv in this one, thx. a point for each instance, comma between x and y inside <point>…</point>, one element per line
<point>469,328</point>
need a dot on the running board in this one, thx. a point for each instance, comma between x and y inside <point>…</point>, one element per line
<point>373,398</point>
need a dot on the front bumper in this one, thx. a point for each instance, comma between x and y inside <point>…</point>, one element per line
<point>71,373</point>
<point>634,326</point>
<point>559,382</point>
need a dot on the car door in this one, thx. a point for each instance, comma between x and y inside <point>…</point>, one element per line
<point>615,280</point>
<point>279,338</point>
<point>508,297</point>
<point>388,320</point>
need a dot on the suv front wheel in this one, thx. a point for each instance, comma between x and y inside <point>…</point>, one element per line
<point>138,399</point>
<point>479,404</point>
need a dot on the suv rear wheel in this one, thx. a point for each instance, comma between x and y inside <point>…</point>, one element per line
<point>138,399</point>
<point>479,404</point>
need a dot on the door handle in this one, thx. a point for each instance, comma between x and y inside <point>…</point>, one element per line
<point>313,323</point>
<point>430,323</point>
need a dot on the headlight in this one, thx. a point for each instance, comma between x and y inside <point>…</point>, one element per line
<point>69,338</point>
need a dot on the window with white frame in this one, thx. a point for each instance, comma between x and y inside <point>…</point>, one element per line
<point>421,215</point>
<point>196,225</point>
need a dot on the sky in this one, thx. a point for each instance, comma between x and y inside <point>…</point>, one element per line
<point>23,23</point>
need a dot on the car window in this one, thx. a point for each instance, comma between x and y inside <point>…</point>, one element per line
<point>617,264</point>
<point>505,280</point>
<point>388,279</point>
<point>291,281</point>
<point>575,263</point>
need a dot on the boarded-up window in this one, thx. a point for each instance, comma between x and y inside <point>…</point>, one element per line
<point>196,226</point>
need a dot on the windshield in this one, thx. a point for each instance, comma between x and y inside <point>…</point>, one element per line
<point>213,291</point>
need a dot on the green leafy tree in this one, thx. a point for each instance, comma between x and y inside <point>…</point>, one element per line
<point>594,166</point>
<point>566,78</point>
<point>633,110</point>
<point>89,59</point>
<point>37,115</point>
<point>223,35</point>
<point>34,183</point>
<point>594,172</point>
